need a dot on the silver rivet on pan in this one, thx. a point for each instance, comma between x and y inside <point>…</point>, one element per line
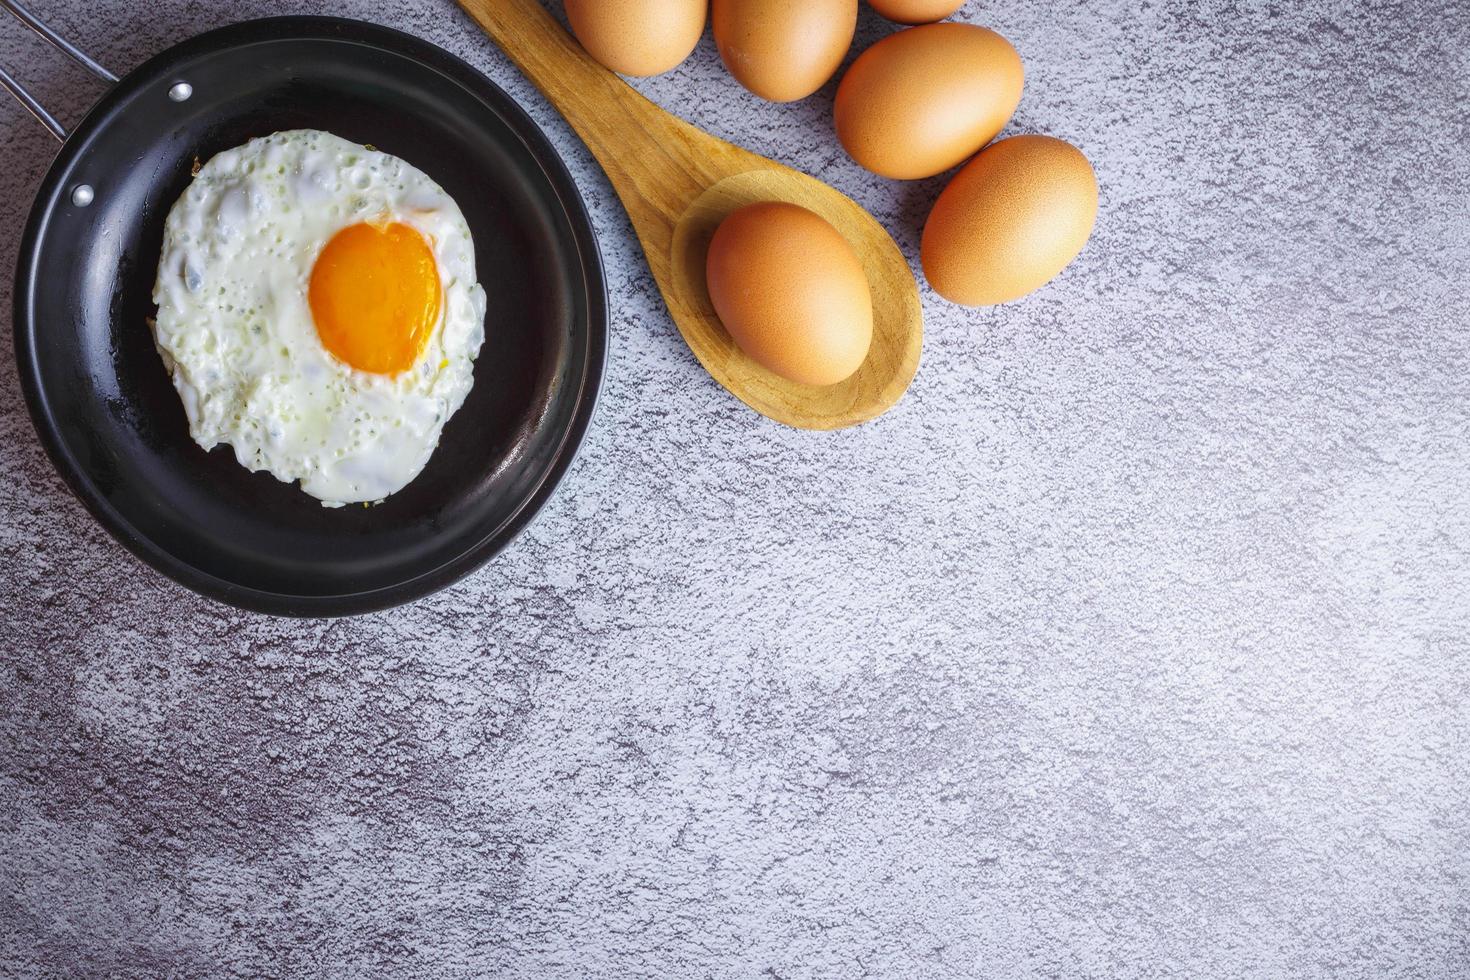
<point>81,195</point>
<point>181,91</point>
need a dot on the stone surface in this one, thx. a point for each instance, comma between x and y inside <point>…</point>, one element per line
<point>1132,643</point>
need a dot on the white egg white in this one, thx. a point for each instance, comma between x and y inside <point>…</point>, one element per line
<point>235,329</point>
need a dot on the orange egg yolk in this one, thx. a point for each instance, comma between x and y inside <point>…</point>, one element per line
<point>375,296</point>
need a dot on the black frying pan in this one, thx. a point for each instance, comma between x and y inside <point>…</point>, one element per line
<point>102,401</point>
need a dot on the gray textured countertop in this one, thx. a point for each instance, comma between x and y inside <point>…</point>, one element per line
<point>1132,643</point>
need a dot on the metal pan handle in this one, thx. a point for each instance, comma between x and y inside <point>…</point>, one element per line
<point>15,88</point>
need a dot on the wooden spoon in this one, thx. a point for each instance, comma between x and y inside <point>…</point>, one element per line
<point>678,183</point>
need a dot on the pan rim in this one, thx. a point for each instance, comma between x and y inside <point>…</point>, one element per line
<point>581,233</point>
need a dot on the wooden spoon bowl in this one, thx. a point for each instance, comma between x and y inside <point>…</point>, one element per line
<point>678,183</point>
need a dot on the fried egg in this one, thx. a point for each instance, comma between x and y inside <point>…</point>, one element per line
<point>318,312</point>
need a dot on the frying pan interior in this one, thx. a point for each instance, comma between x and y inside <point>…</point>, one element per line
<point>103,402</point>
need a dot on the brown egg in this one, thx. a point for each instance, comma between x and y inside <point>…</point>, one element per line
<point>915,11</point>
<point>791,292</point>
<point>783,50</point>
<point>925,99</point>
<point>637,37</point>
<point>1010,221</point>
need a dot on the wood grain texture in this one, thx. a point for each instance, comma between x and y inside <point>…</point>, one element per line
<point>677,182</point>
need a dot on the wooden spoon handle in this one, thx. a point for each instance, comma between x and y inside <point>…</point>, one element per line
<point>650,156</point>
